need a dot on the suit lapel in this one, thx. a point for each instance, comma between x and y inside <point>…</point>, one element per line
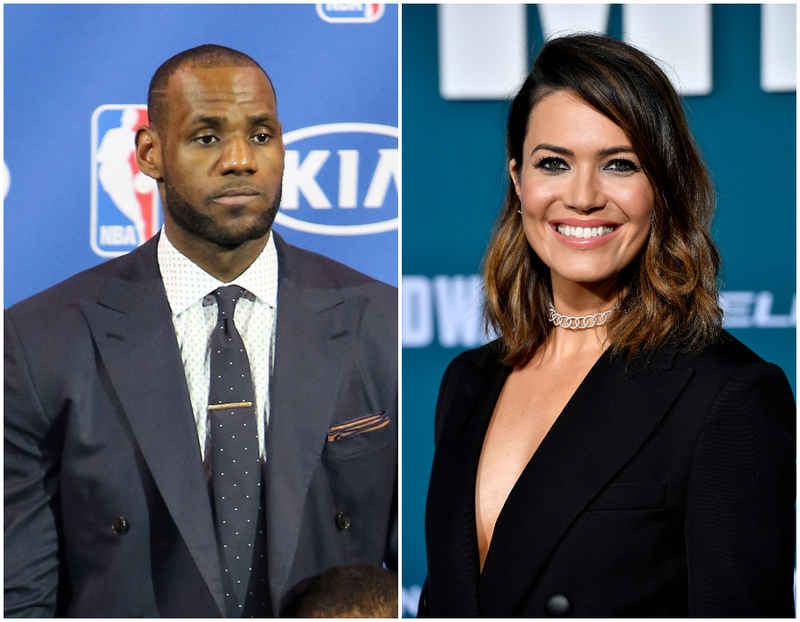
<point>587,446</point>
<point>131,325</point>
<point>453,487</point>
<point>314,333</point>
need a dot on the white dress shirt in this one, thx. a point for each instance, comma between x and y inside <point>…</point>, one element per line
<point>194,316</point>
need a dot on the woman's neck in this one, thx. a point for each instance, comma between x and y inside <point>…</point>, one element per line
<point>579,300</point>
<point>583,299</point>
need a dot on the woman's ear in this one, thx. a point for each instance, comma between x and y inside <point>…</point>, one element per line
<point>512,170</point>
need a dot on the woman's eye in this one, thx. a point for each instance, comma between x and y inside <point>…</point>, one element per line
<point>552,164</point>
<point>208,139</point>
<point>260,138</point>
<point>622,165</point>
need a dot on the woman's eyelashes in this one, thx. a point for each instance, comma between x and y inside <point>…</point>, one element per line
<point>623,165</point>
<point>554,164</point>
<point>550,163</point>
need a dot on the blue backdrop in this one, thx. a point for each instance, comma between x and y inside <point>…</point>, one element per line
<point>454,180</point>
<point>72,70</point>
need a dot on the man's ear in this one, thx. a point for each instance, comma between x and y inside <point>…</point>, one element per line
<point>148,152</point>
<point>279,136</point>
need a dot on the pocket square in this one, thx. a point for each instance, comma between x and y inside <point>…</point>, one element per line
<point>359,425</point>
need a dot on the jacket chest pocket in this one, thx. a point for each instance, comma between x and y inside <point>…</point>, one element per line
<point>358,435</point>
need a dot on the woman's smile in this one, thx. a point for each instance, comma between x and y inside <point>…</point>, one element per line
<point>584,232</point>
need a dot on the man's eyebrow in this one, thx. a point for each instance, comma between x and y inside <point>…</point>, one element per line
<point>207,119</point>
<point>262,119</point>
<point>216,121</point>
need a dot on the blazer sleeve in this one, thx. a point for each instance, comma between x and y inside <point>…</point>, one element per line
<point>32,457</point>
<point>447,391</point>
<point>740,514</point>
<point>390,556</point>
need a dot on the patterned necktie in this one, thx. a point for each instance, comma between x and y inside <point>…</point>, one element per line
<point>235,463</point>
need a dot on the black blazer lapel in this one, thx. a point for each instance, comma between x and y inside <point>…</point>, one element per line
<point>452,524</point>
<point>315,327</point>
<point>132,328</point>
<point>589,443</point>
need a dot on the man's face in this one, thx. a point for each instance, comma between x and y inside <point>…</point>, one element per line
<point>221,155</point>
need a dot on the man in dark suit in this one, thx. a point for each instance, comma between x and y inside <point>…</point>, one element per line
<point>113,503</point>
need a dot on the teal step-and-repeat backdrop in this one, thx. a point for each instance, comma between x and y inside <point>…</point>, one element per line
<point>741,105</point>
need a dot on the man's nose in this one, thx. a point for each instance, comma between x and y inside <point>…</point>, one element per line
<point>238,156</point>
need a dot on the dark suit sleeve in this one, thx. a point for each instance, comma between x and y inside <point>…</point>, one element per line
<point>740,533</point>
<point>32,457</point>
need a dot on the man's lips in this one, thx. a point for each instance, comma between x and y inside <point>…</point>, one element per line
<point>236,192</point>
<point>233,196</point>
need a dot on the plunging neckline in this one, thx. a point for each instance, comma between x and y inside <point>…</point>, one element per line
<point>516,486</point>
<point>590,443</point>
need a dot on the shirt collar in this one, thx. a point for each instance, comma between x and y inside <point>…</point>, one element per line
<point>185,282</point>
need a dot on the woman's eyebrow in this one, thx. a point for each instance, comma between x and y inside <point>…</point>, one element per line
<point>569,152</point>
<point>613,150</point>
<point>555,148</point>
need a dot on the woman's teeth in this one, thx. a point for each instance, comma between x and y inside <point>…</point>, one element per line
<point>583,232</point>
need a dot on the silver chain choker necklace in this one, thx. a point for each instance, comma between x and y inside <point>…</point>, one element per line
<point>579,323</point>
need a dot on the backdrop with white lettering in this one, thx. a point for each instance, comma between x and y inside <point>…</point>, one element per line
<point>459,62</point>
<point>76,79</point>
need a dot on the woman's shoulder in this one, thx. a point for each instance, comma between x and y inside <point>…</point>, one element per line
<point>725,358</point>
<point>486,355</point>
<point>737,383</point>
<point>480,361</point>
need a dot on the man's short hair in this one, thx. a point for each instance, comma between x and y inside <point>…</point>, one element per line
<point>356,591</point>
<point>208,55</point>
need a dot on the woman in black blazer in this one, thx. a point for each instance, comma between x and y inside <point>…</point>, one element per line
<point>615,452</point>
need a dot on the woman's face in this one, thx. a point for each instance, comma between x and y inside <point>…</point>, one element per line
<point>586,202</point>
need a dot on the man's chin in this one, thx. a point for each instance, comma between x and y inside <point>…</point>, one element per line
<point>229,234</point>
<point>227,228</point>
<point>233,237</point>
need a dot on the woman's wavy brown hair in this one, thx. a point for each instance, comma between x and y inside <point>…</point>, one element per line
<point>670,290</point>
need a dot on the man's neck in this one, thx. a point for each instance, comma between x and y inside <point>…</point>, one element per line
<point>223,263</point>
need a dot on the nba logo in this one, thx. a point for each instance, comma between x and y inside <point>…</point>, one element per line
<point>126,210</point>
<point>349,13</point>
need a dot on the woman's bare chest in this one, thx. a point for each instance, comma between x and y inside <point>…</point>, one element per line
<point>529,404</point>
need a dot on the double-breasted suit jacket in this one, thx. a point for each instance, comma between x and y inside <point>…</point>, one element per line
<point>107,511</point>
<point>663,489</point>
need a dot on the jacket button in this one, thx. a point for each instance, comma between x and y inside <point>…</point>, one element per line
<point>557,606</point>
<point>422,608</point>
<point>120,525</point>
<point>343,520</point>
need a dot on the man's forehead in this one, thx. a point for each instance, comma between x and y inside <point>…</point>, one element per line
<point>193,84</point>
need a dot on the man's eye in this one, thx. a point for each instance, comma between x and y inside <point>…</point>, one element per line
<point>260,138</point>
<point>206,140</point>
<point>622,165</point>
<point>552,164</point>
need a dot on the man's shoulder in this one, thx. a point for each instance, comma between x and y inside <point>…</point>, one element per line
<point>88,284</point>
<point>310,270</point>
